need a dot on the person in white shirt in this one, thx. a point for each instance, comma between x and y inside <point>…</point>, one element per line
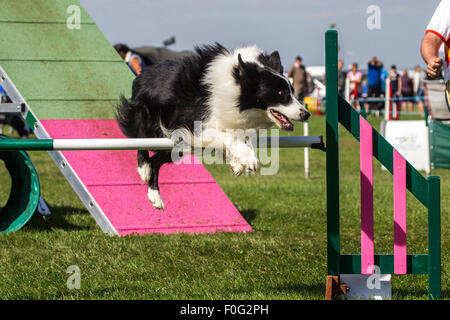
<point>436,34</point>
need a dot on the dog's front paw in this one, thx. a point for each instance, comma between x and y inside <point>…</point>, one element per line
<point>247,161</point>
<point>144,172</point>
<point>251,164</point>
<point>236,167</point>
<point>155,198</point>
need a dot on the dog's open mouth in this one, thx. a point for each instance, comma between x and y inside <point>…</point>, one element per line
<point>281,120</point>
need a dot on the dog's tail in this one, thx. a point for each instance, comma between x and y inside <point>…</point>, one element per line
<point>128,115</point>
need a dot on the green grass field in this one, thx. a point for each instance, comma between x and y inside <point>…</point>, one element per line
<point>284,258</point>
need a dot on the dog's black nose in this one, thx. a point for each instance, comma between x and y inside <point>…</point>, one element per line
<point>304,114</point>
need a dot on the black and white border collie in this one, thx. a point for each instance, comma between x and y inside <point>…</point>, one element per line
<point>225,90</point>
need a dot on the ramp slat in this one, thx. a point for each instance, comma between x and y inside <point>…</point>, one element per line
<point>88,81</point>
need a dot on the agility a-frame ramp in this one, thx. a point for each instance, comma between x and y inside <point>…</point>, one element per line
<point>65,80</point>
<point>405,177</point>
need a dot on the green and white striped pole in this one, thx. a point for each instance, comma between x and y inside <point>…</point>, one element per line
<point>315,142</point>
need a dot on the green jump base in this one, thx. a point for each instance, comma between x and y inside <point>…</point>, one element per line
<point>25,191</point>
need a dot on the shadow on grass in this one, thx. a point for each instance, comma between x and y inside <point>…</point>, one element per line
<point>296,290</point>
<point>284,292</point>
<point>301,289</point>
<point>57,220</point>
<point>249,215</point>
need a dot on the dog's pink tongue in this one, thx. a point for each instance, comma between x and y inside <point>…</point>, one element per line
<point>287,125</point>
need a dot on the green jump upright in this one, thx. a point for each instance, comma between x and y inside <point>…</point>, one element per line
<point>332,158</point>
<point>427,191</point>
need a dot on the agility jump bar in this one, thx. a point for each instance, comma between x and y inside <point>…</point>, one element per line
<point>315,142</point>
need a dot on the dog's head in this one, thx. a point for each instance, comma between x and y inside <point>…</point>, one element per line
<point>264,89</point>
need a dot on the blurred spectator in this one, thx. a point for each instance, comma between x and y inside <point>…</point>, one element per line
<point>396,86</point>
<point>132,59</point>
<point>407,92</point>
<point>310,83</point>
<point>355,78</point>
<point>365,94</point>
<point>374,81</point>
<point>418,89</point>
<point>299,79</point>
<point>341,78</point>
<point>384,74</point>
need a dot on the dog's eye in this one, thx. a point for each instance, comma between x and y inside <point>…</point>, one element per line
<point>281,93</point>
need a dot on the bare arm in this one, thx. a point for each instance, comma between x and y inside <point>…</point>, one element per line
<point>430,53</point>
<point>134,63</point>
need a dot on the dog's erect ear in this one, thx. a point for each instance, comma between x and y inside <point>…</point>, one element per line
<point>275,61</point>
<point>241,65</point>
<point>275,56</point>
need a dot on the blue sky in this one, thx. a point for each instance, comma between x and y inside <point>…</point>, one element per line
<point>294,27</point>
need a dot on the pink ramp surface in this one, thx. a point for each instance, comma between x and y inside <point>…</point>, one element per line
<point>194,201</point>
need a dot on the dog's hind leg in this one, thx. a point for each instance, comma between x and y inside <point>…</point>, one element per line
<point>144,165</point>
<point>157,160</point>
